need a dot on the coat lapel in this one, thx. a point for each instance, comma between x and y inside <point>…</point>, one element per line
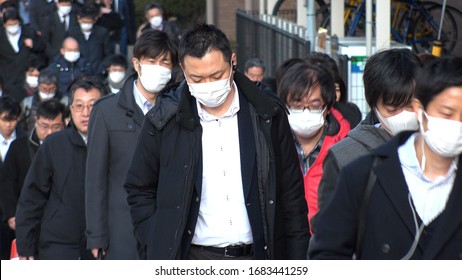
<point>395,187</point>
<point>246,144</point>
<point>451,219</point>
<point>127,101</point>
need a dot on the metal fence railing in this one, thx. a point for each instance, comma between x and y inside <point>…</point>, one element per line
<point>269,38</point>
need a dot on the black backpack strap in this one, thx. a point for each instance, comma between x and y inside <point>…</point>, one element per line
<point>364,205</point>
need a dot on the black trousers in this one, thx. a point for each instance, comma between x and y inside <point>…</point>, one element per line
<point>6,237</point>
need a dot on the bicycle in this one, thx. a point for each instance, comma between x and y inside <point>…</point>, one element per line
<point>414,23</point>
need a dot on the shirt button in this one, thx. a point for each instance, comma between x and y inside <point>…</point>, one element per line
<point>386,248</point>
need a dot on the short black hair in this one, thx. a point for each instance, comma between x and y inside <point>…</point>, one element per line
<point>36,63</point>
<point>89,10</point>
<point>117,60</point>
<point>389,77</point>
<point>154,5</point>
<point>202,39</point>
<point>11,13</point>
<point>301,78</point>
<point>155,43</point>
<point>324,60</point>
<point>436,76</point>
<point>282,69</point>
<point>9,106</point>
<point>87,83</point>
<point>50,109</point>
<point>254,62</point>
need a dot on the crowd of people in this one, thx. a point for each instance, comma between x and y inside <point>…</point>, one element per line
<point>185,157</point>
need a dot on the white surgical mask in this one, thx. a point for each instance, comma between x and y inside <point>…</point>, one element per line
<point>46,96</point>
<point>86,27</point>
<point>156,22</point>
<point>211,94</point>
<point>116,76</point>
<point>64,10</point>
<point>13,29</point>
<point>444,137</point>
<point>405,120</point>
<point>306,123</point>
<point>154,77</point>
<point>32,81</point>
<point>72,56</point>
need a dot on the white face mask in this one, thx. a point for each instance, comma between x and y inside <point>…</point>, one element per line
<point>211,94</point>
<point>86,27</point>
<point>154,77</point>
<point>156,22</point>
<point>71,56</point>
<point>13,29</point>
<point>64,10</point>
<point>306,123</point>
<point>116,76</point>
<point>46,96</point>
<point>443,136</point>
<point>405,120</point>
<point>32,81</point>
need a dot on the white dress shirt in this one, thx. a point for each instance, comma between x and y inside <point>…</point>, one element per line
<point>429,196</point>
<point>14,40</point>
<point>223,218</point>
<point>141,101</point>
<point>5,144</point>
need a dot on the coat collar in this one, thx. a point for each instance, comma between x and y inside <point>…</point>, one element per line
<point>74,135</point>
<point>127,101</point>
<point>180,102</point>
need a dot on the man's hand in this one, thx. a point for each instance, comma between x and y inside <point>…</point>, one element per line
<point>26,258</point>
<point>12,223</point>
<point>28,42</point>
<point>94,252</point>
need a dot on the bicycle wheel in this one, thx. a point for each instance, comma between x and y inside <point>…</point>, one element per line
<point>425,30</point>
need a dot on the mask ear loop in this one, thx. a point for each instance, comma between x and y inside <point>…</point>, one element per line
<point>424,159</point>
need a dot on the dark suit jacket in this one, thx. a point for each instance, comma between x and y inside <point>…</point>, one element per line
<point>390,227</point>
<point>54,32</point>
<point>115,124</point>
<point>96,48</point>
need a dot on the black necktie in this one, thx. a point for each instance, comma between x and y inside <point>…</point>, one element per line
<point>64,22</point>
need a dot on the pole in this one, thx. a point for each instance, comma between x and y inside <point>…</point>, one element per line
<point>310,23</point>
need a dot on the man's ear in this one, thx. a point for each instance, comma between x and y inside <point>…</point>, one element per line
<point>234,61</point>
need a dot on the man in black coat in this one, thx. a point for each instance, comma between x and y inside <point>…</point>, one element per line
<point>57,27</point>
<point>53,192</point>
<point>15,57</point>
<point>94,40</point>
<point>49,119</point>
<point>215,174</point>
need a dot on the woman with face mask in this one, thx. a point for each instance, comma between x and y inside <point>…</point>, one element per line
<point>308,91</point>
<point>407,192</point>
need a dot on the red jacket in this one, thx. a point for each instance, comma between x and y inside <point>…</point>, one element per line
<point>314,174</point>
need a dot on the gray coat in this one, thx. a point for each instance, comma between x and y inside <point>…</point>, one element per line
<point>360,141</point>
<point>113,131</point>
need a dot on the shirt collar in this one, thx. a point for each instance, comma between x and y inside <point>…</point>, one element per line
<point>232,110</point>
<point>140,100</point>
<point>9,140</point>
<point>408,158</point>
